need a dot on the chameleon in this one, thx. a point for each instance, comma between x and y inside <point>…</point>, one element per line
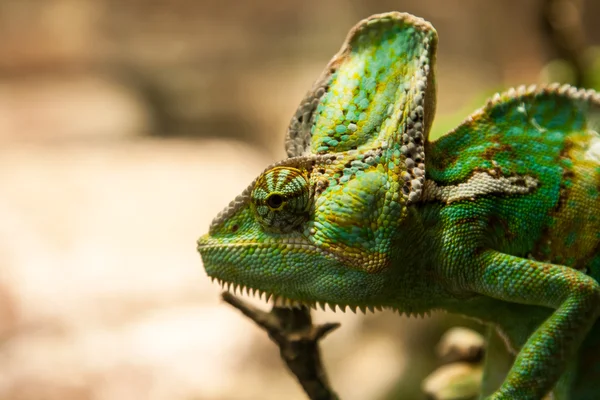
<point>498,220</point>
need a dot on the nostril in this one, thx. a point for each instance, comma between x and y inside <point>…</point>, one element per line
<point>235,228</point>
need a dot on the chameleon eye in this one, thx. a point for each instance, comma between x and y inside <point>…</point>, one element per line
<point>281,199</point>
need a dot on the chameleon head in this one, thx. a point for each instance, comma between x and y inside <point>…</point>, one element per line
<point>319,226</point>
<point>297,233</point>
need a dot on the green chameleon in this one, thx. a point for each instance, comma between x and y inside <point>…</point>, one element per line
<point>497,220</point>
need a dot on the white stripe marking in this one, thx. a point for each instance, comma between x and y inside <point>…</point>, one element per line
<point>480,184</point>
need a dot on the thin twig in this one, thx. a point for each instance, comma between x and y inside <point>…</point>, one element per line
<point>293,331</point>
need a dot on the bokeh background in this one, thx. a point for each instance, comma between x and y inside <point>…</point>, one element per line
<point>126,125</point>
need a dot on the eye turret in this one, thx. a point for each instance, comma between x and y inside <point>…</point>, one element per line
<point>281,199</point>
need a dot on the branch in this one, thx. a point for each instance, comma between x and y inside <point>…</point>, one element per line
<point>292,330</point>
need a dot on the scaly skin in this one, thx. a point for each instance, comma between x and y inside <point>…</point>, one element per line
<point>498,220</point>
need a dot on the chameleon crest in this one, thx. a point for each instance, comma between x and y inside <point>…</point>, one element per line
<point>497,220</point>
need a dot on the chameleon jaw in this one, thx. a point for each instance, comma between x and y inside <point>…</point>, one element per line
<point>270,297</point>
<point>205,244</point>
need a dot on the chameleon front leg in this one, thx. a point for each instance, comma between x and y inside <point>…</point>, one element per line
<point>575,298</point>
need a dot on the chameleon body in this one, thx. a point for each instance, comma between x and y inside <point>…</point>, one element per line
<point>498,220</point>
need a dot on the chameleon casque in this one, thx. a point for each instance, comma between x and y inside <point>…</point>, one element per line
<point>498,220</point>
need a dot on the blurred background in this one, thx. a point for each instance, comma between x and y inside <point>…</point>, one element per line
<point>126,125</point>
